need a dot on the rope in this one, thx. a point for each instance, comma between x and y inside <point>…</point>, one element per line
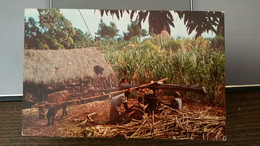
<point>87,28</point>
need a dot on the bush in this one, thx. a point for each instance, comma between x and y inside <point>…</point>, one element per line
<point>217,43</point>
<point>172,45</point>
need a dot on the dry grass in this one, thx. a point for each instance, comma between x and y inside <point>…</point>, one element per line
<point>203,124</point>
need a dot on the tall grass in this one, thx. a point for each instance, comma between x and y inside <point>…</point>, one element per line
<point>183,61</point>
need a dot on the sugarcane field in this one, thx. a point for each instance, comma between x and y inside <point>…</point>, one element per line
<point>139,84</point>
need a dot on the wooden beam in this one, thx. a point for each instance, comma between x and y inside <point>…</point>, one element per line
<point>98,96</point>
<point>190,88</point>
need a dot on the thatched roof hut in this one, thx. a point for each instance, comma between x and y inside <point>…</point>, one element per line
<point>54,69</point>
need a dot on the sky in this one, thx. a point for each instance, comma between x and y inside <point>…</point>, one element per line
<point>93,17</point>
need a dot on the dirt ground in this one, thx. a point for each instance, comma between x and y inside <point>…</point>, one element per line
<point>33,126</point>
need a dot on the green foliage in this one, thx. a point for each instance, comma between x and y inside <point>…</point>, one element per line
<point>108,45</point>
<point>171,45</point>
<point>53,31</point>
<point>203,67</point>
<point>81,40</point>
<point>134,30</point>
<point>31,31</point>
<point>218,43</point>
<point>106,31</point>
<point>146,61</point>
<point>60,30</point>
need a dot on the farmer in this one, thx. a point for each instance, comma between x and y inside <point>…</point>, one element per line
<point>118,100</point>
<point>176,102</point>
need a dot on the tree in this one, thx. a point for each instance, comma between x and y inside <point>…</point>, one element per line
<point>134,30</point>
<point>107,31</point>
<point>31,31</point>
<point>57,29</point>
<point>162,20</point>
<point>81,40</point>
<point>203,22</point>
<point>54,31</point>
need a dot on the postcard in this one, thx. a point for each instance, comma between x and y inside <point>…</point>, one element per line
<point>142,74</point>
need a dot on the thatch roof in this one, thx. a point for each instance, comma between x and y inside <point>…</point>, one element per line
<point>60,67</point>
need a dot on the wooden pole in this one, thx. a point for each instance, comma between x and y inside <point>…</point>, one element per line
<point>191,88</point>
<point>97,96</point>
